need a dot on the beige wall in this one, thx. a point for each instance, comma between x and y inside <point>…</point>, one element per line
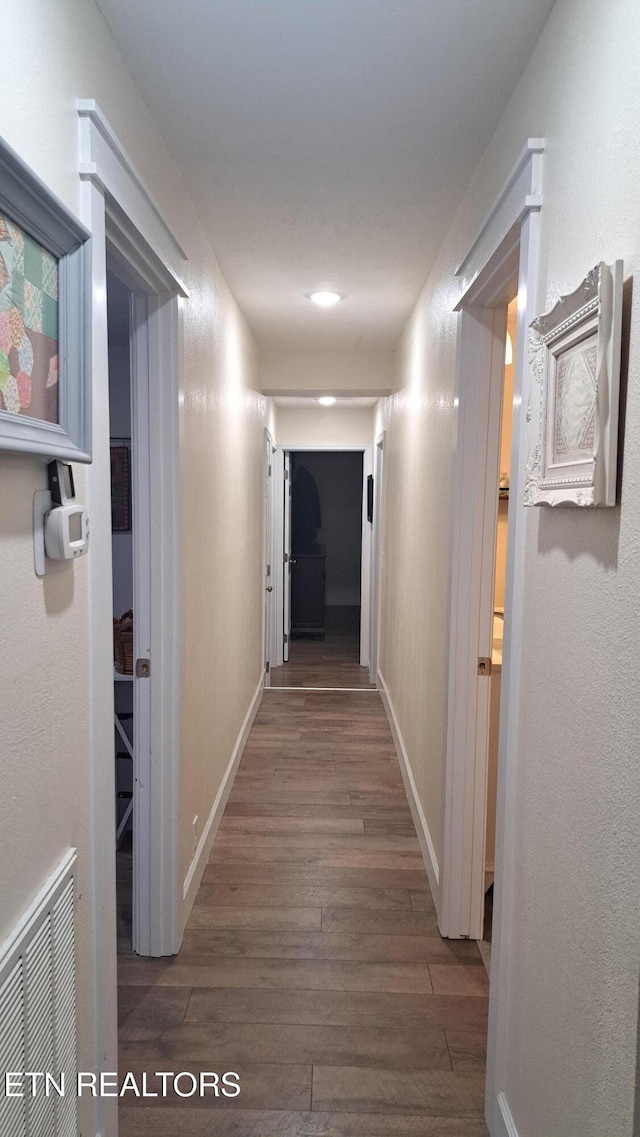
<point>324,426</point>
<point>64,52</point>
<point>322,372</point>
<point>572,1010</point>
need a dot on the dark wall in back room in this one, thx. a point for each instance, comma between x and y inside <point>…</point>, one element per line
<point>338,478</point>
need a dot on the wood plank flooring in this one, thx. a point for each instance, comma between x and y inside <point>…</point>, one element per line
<point>331,662</point>
<point>312,964</point>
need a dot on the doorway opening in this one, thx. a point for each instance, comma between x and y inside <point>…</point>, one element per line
<point>324,528</point>
<point>502,262</point>
<point>500,531</point>
<point>122,560</point>
<point>143,552</point>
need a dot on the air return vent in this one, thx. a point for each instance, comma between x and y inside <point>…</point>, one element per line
<point>38,1012</point>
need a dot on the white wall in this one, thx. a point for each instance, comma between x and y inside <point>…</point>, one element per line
<point>338,478</point>
<point>326,372</point>
<point>65,52</point>
<point>572,1009</point>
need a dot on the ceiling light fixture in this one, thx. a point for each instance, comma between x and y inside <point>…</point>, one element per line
<point>325,299</point>
<point>327,400</point>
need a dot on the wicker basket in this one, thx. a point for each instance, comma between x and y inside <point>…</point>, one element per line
<point>123,644</point>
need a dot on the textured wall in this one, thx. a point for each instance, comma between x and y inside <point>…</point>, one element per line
<point>415,571</point>
<point>324,426</point>
<point>316,372</point>
<point>64,52</point>
<point>574,959</point>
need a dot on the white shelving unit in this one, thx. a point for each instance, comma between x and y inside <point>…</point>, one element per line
<point>128,744</point>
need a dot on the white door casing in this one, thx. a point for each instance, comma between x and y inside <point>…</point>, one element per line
<point>269,566</point>
<point>122,214</point>
<point>365,568</point>
<point>376,556</point>
<point>505,249</point>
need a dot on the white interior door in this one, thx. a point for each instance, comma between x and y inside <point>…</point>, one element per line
<point>269,567</point>
<point>287,556</point>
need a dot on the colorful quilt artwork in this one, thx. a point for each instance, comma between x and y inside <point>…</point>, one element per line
<point>28,325</point>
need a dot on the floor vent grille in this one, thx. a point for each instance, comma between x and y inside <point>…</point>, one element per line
<point>38,1014</point>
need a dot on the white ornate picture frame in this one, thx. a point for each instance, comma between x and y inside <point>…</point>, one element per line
<point>574,357</point>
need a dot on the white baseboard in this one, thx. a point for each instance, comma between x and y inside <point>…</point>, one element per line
<point>505,1119</point>
<point>500,1119</point>
<point>424,837</point>
<point>201,856</point>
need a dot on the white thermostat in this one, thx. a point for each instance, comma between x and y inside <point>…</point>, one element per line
<point>61,524</point>
<point>66,532</point>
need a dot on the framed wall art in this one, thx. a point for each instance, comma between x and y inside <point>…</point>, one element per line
<point>45,375</point>
<point>574,356</point>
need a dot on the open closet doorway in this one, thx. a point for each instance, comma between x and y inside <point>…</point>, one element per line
<point>122,544</point>
<point>326,570</point>
<point>143,547</point>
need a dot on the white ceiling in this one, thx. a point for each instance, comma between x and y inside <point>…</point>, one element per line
<point>326,143</point>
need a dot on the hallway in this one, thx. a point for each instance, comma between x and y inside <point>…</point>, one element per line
<point>312,964</point>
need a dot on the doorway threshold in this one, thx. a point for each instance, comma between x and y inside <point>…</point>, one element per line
<point>357,690</point>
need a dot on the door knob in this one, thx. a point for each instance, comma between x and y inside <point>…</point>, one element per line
<point>269,589</point>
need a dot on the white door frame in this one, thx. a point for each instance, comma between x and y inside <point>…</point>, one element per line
<point>285,506</point>
<point>270,566</point>
<point>365,568</point>
<point>376,557</point>
<point>506,248</point>
<point>122,214</point>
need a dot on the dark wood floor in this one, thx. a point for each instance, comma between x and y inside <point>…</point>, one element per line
<point>312,964</point>
<point>331,662</point>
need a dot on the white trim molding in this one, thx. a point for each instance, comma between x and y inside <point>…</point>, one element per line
<point>427,846</point>
<point>280,489</point>
<point>520,195</point>
<point>504,1125</point>
<point>201,855</point>
<point>105,163</point>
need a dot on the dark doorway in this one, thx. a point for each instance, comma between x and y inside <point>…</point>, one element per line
<point>326,569</point>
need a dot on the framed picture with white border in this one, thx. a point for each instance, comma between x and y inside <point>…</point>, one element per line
<point>45,372</point>
<point>574,357</point>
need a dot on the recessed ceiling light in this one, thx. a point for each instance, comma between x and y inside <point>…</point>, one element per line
<point>325,299</point>
<point>327,400</point>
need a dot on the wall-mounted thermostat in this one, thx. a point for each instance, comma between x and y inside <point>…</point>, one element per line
<point>66,532</point>
<point>60,523</point>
